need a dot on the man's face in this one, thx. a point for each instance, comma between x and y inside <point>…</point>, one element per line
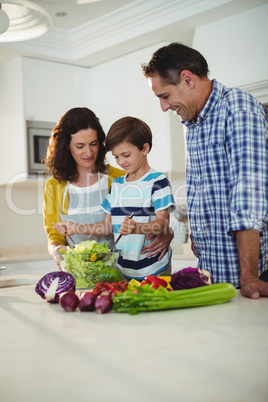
<point>179,98</point>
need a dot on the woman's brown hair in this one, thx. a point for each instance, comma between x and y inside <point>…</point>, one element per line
<point>59,160</point>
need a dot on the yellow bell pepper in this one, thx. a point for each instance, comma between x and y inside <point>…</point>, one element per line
<point>93,257</point>
<point>168,280</point>
<point>133,282</point>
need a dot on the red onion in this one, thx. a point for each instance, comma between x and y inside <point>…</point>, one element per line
<point>103,303</point>
<point>69,301</point>
<point>87,301</point>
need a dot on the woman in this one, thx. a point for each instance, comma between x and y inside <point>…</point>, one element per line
<point>80,180</point>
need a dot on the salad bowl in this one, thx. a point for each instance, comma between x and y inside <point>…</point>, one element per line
<point>86,266</point>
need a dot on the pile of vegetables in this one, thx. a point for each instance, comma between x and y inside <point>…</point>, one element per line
<point>146,298</point>
<point>151,294</point>
<point>59,287</point>
<point>86,301</point>
<point>90,263</point>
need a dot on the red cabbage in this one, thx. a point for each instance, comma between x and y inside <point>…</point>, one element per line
<point>189,278</point>
<point>62,281</point>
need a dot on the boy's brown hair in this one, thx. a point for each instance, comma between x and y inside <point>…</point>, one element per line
<point>130,129</point>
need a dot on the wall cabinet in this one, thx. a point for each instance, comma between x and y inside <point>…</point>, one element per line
<point>50,89</point>
<point>33,89</point>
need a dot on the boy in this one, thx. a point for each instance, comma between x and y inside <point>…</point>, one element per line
<point>142,191</point>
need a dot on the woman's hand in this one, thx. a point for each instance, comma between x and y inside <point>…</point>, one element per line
<point>57,257</point>
<point>159,244</point>
<point>58,248</point>
<point>128,226</point>
<point>66,228</point>
<point>54,250</point>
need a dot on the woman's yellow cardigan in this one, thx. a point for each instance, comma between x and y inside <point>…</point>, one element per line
<point>53,196</point>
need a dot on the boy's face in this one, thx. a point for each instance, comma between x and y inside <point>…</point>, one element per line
<point>129,157</point>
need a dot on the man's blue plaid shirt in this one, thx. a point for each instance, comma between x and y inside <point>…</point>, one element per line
<point>227,179</point>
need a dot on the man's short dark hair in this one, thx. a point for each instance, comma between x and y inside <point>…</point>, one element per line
<point>169,61</point>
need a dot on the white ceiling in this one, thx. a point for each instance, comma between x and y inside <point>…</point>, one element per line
<point>95,32</point>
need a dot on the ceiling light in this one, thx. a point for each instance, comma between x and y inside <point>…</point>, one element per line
<point>61,14</point>
<point>4,21</point>
<point>26,20</point>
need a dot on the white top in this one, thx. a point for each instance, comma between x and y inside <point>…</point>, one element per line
<point>143,197</point>
<point>85,208</point>
<point>87,199</point>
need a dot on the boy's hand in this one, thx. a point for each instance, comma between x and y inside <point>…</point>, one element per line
<point>66,228</point>
<point>128,226</point>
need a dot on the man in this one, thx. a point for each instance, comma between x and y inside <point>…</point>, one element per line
<point>226,167</point>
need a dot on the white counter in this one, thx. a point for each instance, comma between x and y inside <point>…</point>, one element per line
<point>206,354</point>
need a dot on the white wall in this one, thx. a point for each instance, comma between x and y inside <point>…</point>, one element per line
<point>12,119</point>
<point>236,47</point>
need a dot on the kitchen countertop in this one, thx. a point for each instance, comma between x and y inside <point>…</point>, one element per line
<point>23,253</point>
<point>206,354</point>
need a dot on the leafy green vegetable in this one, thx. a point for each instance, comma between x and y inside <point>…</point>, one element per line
<point>146,298</point>
<point>86,260</point>
<point>87,246</point>
<point>110,275</point>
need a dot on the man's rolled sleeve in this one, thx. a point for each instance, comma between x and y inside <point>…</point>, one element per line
<point>245,220</point>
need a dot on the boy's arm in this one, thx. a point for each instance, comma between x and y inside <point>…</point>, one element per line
<point>103,228</point>
<point>159,226</point>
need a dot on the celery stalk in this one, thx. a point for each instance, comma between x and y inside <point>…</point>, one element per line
<point>161,299</point>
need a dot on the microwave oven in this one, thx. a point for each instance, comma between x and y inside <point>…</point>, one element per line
<point>38,133</point>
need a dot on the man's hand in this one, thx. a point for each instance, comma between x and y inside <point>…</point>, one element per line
<point>192,244</point>
<point>248,242</point>
<point>254,288</point>
<point>159,244</point>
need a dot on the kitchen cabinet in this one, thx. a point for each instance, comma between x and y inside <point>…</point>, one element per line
<point>50,89</point>
<point>213,353</point>
<point>33,89</point>
<point>118,88</point>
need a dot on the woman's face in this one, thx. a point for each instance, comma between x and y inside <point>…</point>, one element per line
<point>84,147</point>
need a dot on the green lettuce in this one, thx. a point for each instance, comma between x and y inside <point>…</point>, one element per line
<point>86,260</point>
